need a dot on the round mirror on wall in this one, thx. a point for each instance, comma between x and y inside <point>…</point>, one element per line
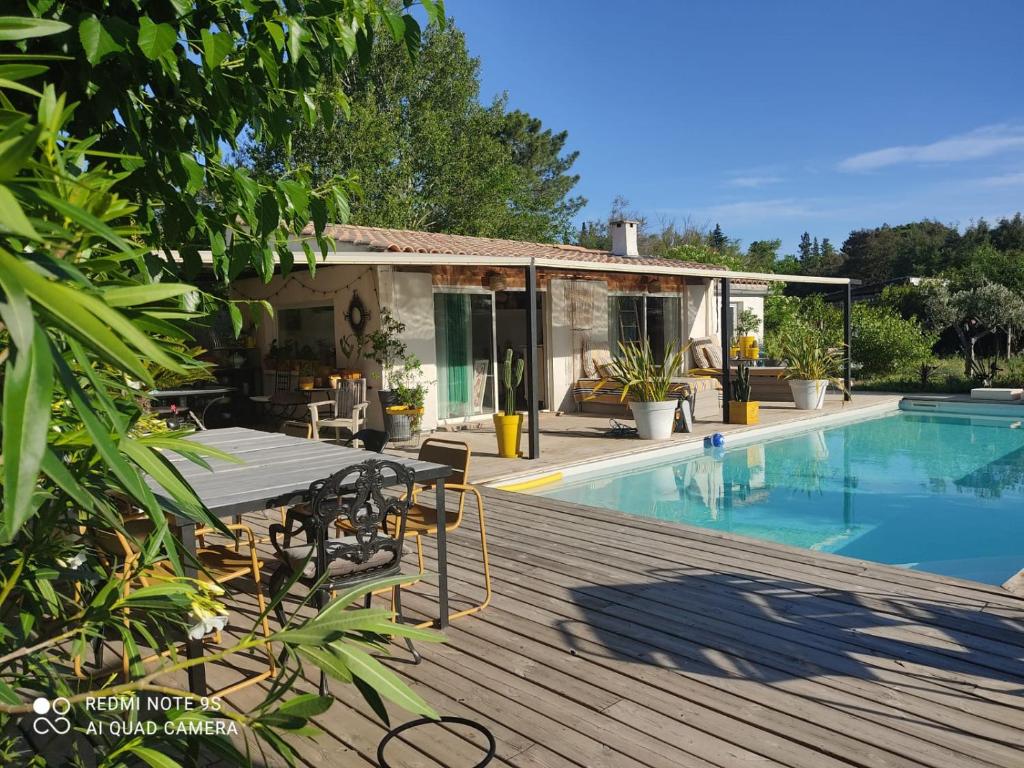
<point>357,315</point>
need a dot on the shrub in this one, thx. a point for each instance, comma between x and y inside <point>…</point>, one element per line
<point>885,343</point>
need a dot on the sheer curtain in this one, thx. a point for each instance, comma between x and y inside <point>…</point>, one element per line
<point>454,371</point>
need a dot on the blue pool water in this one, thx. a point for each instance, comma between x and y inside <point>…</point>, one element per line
<point>939,493</point>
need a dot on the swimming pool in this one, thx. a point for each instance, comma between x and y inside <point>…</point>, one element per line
<point>939,493</point>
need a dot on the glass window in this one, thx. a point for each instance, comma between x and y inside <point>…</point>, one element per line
<point>630,318</point>
<point>464,327</point>
<point>663,324</point>
<point>307,333</point>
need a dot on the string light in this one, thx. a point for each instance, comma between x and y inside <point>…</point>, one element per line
<point>293,278</point>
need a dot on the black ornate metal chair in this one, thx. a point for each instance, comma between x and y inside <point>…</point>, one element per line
<point>373,548</point>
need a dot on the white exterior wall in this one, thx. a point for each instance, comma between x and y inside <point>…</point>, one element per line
<point>410,297</point>
<point>699,312</point>
<point>755,304</point>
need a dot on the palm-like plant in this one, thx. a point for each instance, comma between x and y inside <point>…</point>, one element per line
<point>807,359</point>
<point>641,378</point>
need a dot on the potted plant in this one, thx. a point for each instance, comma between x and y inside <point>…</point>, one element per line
<point>810,368</point>
<point>408,395</point>
<point>647,386</point>
<point>508,426</point>
<point>746,323</point>
<point>386,348</point>
<point>742,410</point>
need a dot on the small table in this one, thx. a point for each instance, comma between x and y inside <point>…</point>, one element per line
<point>276,465</point>
<point>182,396</point>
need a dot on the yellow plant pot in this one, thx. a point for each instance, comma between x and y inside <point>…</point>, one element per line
<point>743,412</point>
<point>509,430</point>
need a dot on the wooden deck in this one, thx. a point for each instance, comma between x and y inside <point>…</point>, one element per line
<point>618,641</point>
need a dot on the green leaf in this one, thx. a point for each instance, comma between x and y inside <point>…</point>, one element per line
<point>15,308</point>
<point>28,392</point>
<point>413,35</point>
<point>154,759</point>
<point>21,71</point>
<point>165,473</point>
<point>96,41</point>
<point>295,33</point>
<point>395,23</point>
<point>155,39</point>
<point>56,470</point>
<point>7,694</point>
<point>196,172</point>
<point>12,217</point>
<point>382,679</point>
<point>123,471</point>
<point>216,47</point>
<point>306,705</point>
<point>269,215</point>
<point>133,295</point>
<point>85,219</point>
<point>236,318</point>
<point>14,153</point>
<point>276,33</point>
<point>298,196</point>
<point>328,662</point>
<point>20,28</point>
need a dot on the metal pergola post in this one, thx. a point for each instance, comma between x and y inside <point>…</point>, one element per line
<point>724,332</point>
<point>847,349</point>
<point>531,362</point>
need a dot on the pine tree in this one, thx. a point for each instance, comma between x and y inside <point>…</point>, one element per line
<point>805,247</point>
<point>816,251</point>
<point>717,239</point>
<point>828,252</point>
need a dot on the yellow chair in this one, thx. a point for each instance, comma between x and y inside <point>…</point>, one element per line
<point>217,564</point>
<point>422,520</point>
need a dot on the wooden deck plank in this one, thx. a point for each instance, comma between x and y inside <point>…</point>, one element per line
<point>582,638</point>
<point>618,641</point>
<point>878,586</point>
<point>536,571</point>
<point>723,587</point>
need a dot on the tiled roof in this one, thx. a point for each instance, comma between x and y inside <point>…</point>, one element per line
<point>411,241</point>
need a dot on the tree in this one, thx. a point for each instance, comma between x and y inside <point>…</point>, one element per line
<point>169,89</point>
<point>717,238</point>
<point>919,249</point>
<point>762,255</point>
<point>92,318</point>
<point>815,252</point>
<point>804,249</point>
<point>973,313</point>
<point>427,154</point>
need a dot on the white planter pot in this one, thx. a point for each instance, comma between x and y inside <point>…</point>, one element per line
<point>654,420</point>
<point>809,395</point>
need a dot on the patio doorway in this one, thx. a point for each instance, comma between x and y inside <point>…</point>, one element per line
<point>464,324</point>
<point>510,325</point>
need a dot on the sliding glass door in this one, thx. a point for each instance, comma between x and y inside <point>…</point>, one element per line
<point>464,326</point>
<point>632,318</point>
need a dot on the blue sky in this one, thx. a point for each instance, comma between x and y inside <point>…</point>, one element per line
<point>772,116</point>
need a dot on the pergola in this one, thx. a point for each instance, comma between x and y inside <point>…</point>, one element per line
<point>362,256</point>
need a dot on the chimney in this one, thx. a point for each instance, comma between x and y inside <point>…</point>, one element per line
<point>623,233</point>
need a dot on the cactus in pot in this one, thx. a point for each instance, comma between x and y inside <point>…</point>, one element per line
<point>508,425</point>
<point>511,376</point>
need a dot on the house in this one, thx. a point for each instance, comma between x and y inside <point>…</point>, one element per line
<point>463,301</point>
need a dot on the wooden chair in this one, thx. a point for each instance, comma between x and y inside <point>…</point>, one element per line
<point>217,564</point>
<point>422,520</point>
<point>347,410</point>
<point>373,550</point>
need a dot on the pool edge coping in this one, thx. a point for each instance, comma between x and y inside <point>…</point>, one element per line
<point>683,448</point>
